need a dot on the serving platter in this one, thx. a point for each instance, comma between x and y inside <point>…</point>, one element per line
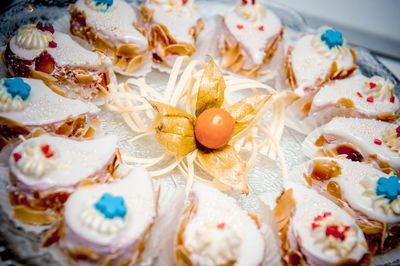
<point>21,244</point>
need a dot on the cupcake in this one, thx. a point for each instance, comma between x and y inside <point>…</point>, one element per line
<point>111,27</point>
<point>172,28</point>
<point>45,170</point>
<point>316,59</point>
<point>362,140</point>
<point>315,231</point>
<point>371,195</point>
<point>110,223</point>
<point>249,37</point>
<point>28,107</point>
<point>37,51</point>
<point>356,96</point>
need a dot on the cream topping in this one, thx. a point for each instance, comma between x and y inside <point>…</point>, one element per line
<point>139,199</point>
<point>171,5</point>
<point>333,53</point>
<point>117,25</point>
<point>8,103</point>
<point>45,107</point>
<point>80,160</point>
<point>215,207</point>
<point>379,88</point>
<point>254,27</point>
<point>96,221</point>
<point>29,37</point>
<point>309,65</point>
<point>392,136</point>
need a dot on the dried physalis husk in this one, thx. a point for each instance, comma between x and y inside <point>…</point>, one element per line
<point>211,89</point>
<point>226,166</point>
<point>244,111</point>
<point>174,129</point>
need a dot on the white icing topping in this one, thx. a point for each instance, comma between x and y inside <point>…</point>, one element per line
<point>95,220</point>
<point>219,245</point>
<point>80,160</point>
<point>309,65</point>
<point>383,90</point>
<point>350,88</point>
<point>43,106</point>
<point>254,27</point>
<point>331,244</point>
<point>391,137</point>
<point>7,103</point>
<point>171,5</point>
<point>333,53</point>
<point>116,25</point>
<point>139,199</point>
<point>216,207</point>
<point>99,7</point>
<point>29,37</point>
<point>34,161</point>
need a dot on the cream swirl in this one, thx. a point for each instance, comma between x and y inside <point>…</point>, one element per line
<point>29,37</point>
<point>36,159</point>
<point>334,235</point>
<point>392,136</point>
<point>380,88</point>
<point>379,202</point>
<point>8,103</point>
<point>95,220</point>
<point>100,6</point>
<point>333,53</point>
<point>253,13</point>
<point>218,243</point>
<point>174,5</point>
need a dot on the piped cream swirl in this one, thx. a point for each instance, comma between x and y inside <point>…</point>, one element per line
<point>96,221</point>
<point>380,88</point>
<point>253,13</point>
<point>391,137</point>
<point>29,37</point>
<point>174,5</point>
<point>333,53</point>
<point>8,104</point>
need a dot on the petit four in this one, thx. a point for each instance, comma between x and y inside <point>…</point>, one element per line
<point>108,224</point>
<point>249,37</point>
<point>372,196</point>
<point>110,26</point>
<point>315,231</point>
<point>172,28</point>
<point>359,140</point>
<point>45,170</point>
<point>37,51</point>
<point>29,106</point>
<point>215,231</point>
<point>315,59</point>
<point>355,96</point>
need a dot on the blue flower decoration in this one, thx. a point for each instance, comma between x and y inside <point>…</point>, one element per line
<point>17,87</point>
<point>111,206</point>
<point>332,38</point>
<point>388,187</point>
<point>105,3</point>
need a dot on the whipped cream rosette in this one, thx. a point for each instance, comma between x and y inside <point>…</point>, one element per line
<point>112,27</point>
<point>109,223</point>
<point>172,27</point>
<point>315,59</point>
<point>371,195</point>
<point>362,140</point>
<point>45,170</point>
<point>28,107</point>
<point>355,96</point>
<point>249,37</point>
<point>37,51</point>
<point>315,231</point>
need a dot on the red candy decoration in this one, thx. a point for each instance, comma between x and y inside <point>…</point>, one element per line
<point>52,44</point>
<point>46,151</point>
<point>184,1</point>
<point>314,225</point>
<point>253,2</point>
<point>378,142</point>
<point>372,85</point>
<point>370,99</point>
<point>221,226</point>
<point>333,230</point>
<point>398,131</point>
<point>239,26</point>
<point>359,94</point>
<point>244,2</point>
<point>17,156</point>
<point>392,99</point>
<point>261,28</point>
<point>326,214</point>
<point>42,27</point>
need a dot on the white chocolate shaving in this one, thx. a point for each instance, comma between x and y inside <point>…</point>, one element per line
<point>96,221</point>
<point>333,53</point>
<point>29,37</point>
<point>383,90</point>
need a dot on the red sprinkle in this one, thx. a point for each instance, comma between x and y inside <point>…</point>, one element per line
<point>17,156</point>
<point>370,99</point>
<point>39,25</point>
<point>318,218</point>
<point>46,151</point>
<point>392,99</point>
<point>372,85</point>
<point>253,2</point>
<point>378,142</point>
<point>333,230</point>
<point>239,26</point>
<point>359,94</point>
<point>52,44</point>
<point>244,2</point>
<point>314,225</point>
<point>326,214</point>
<point>221,226</point>
<point>51,29</point>
<point>398,131</point>
<point>261,28</point>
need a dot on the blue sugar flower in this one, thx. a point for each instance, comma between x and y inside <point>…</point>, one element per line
<point>388,187</point>
<point>111,206</point>
<point>104,3</point>
<point>332,38</point>
<point>17,87</point>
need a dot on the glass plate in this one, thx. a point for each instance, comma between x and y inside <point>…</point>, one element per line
<point>21,246</point>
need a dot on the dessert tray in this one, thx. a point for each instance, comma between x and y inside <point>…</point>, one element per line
<point>21,244</point>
